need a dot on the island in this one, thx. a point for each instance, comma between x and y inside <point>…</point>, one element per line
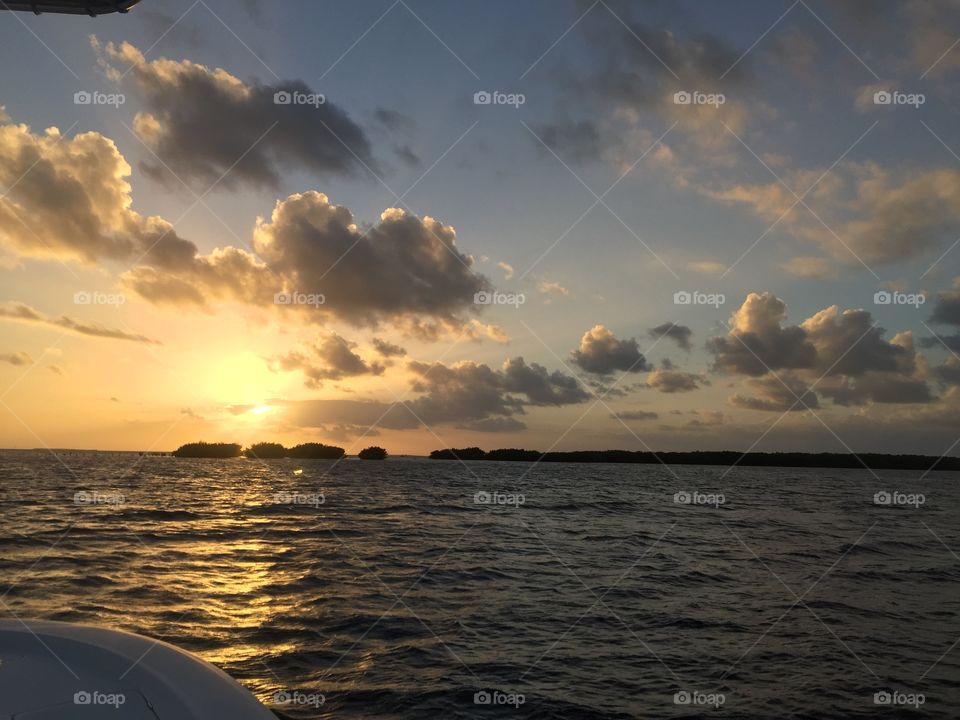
<point>372,453</point>
<point>260,451</point>
<point>208,450</point>
<point>873,461</point>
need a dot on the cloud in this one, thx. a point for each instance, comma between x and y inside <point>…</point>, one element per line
<point>757,343</point>
<point>468,393</point>
<point>24,313</point>
<point>387,349</point>
<point>548,287</point>
<point>601,353</point>
<point>947,309</point>
<point>207,126</point>
<point>507,270</point>
<point>667,380</point>
<point>400,269</point>
<point>68,197</point>
<point>811,267</point>
<point>680,334</point>
<point>634,415</point>
<point>465,395</point>
<point>845,353</point>
<point>17,358</point>
<point>707,267</point>
<point>869,213</point>
<point>777,394</point>
<point>330,358</point>
<point>949,372</point>
<point>539,386</point>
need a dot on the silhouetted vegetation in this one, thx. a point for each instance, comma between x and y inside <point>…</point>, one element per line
<point>874,461</point>
<point>473,453</point>
<point>372,453</point>
<point>316,451</point>
<point>266,451</point>
<point>208,450</point>
<point>260,451</point>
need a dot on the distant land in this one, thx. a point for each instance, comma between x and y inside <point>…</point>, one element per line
<point>873,461</point>
<point>272,451</point>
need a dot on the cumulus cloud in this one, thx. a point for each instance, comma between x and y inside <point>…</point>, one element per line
<point>601,353</point>
<point>680,334</point>
<point>845,353</point>
<point>548,287</point>
<point>208,126</point>
<point>669,380</point>
<point>330,358</point>
<point>24,313</point>
<point>758,343</point>
<point>17,358</point>
<point>402,269</point>
<point>68,197</point>
<point>507,270</point>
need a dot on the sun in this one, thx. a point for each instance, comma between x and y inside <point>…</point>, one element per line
<point>261,409</point>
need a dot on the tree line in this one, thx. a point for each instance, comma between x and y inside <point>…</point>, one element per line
<point>273,451</point>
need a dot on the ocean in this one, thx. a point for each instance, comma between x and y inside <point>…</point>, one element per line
<point>413,588</point>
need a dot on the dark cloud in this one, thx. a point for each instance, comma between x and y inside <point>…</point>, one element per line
<point>580,141</point>
<point>329,358</point>
<point>680,334</point>
<point>539,386</point>
<point>949,372</point>
<point>17,358</point>
<point>388,349</point>
<point>668,380</point>
<point>400,269</point>
<point>24,313</point>
<point>635,415</point>
<point>466,395</point>
<point>601,353</point>
<point>844,352</point>
<point>778,394</point>
<point>407,156</point>
<point>208,126</point>
<point>947,309</point>
<point>394,120</point>
<point>757,342</point>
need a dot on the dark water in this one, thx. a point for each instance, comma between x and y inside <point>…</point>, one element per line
<point>399,596</point>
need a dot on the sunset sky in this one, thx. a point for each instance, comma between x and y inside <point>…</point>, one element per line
<point>502,274</point>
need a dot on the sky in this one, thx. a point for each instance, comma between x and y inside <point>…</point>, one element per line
<point>419,224</point>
